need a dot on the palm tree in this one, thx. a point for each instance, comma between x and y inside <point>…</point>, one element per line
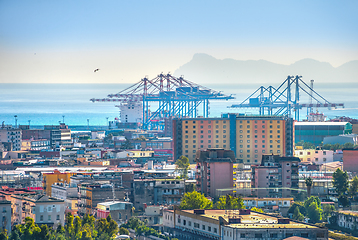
<point>309,183</point>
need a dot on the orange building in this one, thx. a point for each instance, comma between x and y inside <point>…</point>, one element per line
<point>249,137</point>
<point>55,177</point>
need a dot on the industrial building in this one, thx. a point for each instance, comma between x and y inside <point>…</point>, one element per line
<point>248,136</point>
<point>315,132</point>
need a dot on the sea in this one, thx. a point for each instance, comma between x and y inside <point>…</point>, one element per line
<point>49,104</point>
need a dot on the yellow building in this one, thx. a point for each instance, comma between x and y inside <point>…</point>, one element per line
<point>55,177</point>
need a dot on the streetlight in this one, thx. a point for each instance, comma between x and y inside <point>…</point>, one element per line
<point>29,123</point>
<point>63,118</point>
<point>107,122</point>
<point>15,121</point>
<point>88,123</point>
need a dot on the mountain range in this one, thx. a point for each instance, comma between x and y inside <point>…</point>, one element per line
<point>205,69</point>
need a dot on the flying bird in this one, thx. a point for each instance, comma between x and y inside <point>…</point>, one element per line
<point>96,70</point>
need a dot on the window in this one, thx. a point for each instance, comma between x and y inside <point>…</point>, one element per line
<point>258,235</point>
<point>209,229</point>
<point>49,217</point>
<point>203,226</point>
<point>243,235</point>
<point>184,222</point>
<point>178,220</point>
<point>41,218</point>
<point>215,230</point>
<point>189,223</point>
<point>273,235</point>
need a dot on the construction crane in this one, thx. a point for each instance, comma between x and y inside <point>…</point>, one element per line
<point>281,101</point>
<point>174,97</point>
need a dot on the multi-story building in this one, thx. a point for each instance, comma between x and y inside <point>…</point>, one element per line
<point>214,171</point>
<point>59,135</point>
<point>350,160</point>
<point>344,219</point>
<point>236,224</point>
<point>11,135</point>
<point>35,145</point>
<point>315,132</point>
<point>157,191</point>
<point>275,176</point>
<point>49,179</point>
<point>248,136</point>
<point>119,211</point>
<point>5,215</point>
<point>314,156</point>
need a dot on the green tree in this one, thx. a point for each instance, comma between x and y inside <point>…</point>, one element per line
<point>195,200</point>
<point>353,187</point>
<point>183,165</point>
<point>340,181</point>
<point>123,231</point>
<point>3,235</point>
<point>297,215</point>
<point>255,209</point>
<point>300,205</point>
<point>348,145</point>
<point>308,183</point>
<point>308,202</point>
<point>327,211</point>
<point>189,187</point>
<point>229,202</point>
<point>69,228</point>
<point>314,212</point>
<point>15,235</point>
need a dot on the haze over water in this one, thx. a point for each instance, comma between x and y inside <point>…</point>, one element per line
<point>46,103</point>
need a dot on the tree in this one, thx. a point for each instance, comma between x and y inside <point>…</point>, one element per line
<point>314,212</point>
<point>3,235</point>
<point>343,200</point>
<point>327,210</point>
<point>255,209</point>
<point>309,183</point>
<point>300,205</point>
<point>340,181</point>
<point>306,145</point>
<point>195,200</point>
<point>189,187</point>
<point>353,187</point>
<point>183,165</point>
<point>229,202</point>
<point>297,215</point>
<point>123,231</point>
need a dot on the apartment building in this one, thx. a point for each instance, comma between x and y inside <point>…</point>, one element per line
<point>214,171</point>
<point>275,176</point>
<point>248,136</point>
<point>314,156</point>
<point>5,215</point>
<point>11,135</point>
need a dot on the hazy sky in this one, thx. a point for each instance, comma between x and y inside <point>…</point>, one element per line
<point>65,40</point>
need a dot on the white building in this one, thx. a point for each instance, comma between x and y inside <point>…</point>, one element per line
<point>131,112</point>
<point>315,156</point>
<point>11,135</point>
<point>50,211</point>
<point>98,134</point>
<point>63,191</point>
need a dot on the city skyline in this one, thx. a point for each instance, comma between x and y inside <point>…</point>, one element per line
<point>64,42</point>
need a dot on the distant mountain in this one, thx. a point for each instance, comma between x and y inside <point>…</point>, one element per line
<point>204,68</point>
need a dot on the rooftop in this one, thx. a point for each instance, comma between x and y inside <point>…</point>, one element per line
<point>252,220</point>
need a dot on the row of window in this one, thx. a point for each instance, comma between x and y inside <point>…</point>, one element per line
<point>263,131</point>
<point>48,218</point>
<point>255,146</point>
<point>197,225</point>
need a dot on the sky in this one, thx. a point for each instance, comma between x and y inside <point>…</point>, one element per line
<point>63,41</point>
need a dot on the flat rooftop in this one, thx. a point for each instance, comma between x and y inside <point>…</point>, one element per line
<point>252,220</point>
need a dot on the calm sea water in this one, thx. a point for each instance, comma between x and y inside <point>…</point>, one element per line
<point>47,103</point>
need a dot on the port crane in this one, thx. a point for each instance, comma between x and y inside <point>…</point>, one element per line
<point>285,99</point>
<point>172,97</point>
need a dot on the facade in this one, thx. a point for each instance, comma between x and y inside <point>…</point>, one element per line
<point>63,191</point>
<point>315,132</point>
<point>120,211</point>
<point>59,135</point>
<point>315,156</point>
<point>56,176</point>
<point>5,215</point>
<point>11,135</point>
<point>350,160</point>
<point>157,143</point>
<point>249,137</point>
<point>275,176</point>
<point>35,145</point>
<point>233,224</point>
<point>214,171</point>
<point>345,219</point>
<point>131,112</point>
<point>50,211</point>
